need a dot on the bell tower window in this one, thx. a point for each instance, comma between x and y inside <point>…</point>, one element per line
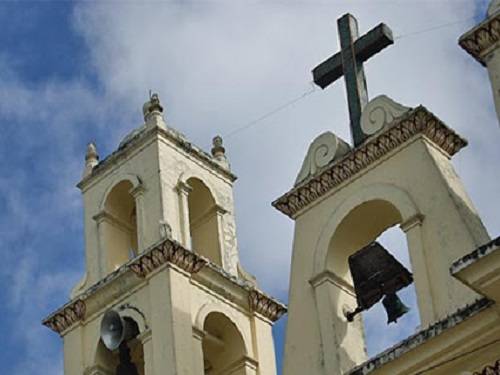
<point>223,346</point>
<point>203,221</point>
<point>119,226</point>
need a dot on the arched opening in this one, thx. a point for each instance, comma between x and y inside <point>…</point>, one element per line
<point>107,361</point>
<point>223,347</point>
<point>119,227</point>
<point>203,221</point>
<point>370,221</point>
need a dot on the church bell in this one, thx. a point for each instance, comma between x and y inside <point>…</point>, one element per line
<point>377,274</point>
<point>394,307</point>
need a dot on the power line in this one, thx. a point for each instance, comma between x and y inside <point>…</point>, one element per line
<point>433,28</point>
<point>272,112</point>
<point>313,89</point>
<point>457,357</point>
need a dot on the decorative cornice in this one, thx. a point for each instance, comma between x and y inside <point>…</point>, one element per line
<point>482,38</point>
<point>418,121</point>
<point>165,251</point>
<point>168,251</point>
<point>66,317</point>
<point>265,305</point>
<point>493,369</point>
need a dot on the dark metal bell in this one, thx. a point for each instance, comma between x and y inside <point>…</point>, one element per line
<point>394,307</point>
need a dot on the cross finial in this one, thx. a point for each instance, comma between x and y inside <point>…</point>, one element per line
<point>349,63</point>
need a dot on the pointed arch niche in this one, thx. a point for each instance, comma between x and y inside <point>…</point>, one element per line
<point>117,224</point>
<point>224,350</point>
<point>201,220</point>
<point>358,221</point>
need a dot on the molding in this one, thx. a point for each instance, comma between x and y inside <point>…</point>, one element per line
<point>415,220</point>
<point>420,338</point>
<point>105,216</point>
<point>481,40</point>
<point>165,252</point>
<point>493,369</point>
<point>66,317</point>
<point>168,251</point>
<point>330,277</point>
<point>139,140</point>
<point>416,122</point>
<point>265,305</point>
<point>474,256</point>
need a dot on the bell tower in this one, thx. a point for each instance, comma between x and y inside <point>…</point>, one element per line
<point>163,291</point>
<point>398,172</point>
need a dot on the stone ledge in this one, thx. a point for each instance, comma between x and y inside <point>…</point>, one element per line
<point>479,40</point>
<point>165,251</point>
<point>421,337</point>
<point>418,121</point>
<point>475,255</point>
<point>135,141</point>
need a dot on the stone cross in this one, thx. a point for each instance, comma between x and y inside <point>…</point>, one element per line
<point>349,63</point>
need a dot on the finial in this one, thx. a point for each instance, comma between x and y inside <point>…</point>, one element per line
<point>218,150</point>
<point>152,111</point>
<point>91,159</point>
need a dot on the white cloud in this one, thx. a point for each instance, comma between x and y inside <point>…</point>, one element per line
<point>218,65</point>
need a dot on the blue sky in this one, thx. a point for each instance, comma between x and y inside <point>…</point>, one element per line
<point>75,72</point>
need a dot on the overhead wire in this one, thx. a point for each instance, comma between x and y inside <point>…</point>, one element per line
<point>314,88</point>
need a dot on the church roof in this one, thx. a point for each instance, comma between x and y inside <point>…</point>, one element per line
<point>421,337</point>
<point>480,252</point>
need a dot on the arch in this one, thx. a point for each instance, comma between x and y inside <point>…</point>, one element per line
<point>204,221</point>
<point>210,307</point>
<point>188,175</point>
<point>224,348</point>
<point>106,361</point>
<point>358,220</point>
<point>134,180</point>
<point>394,196</point>
<point>118,224</point>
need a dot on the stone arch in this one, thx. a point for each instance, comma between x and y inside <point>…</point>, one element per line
<point>394,196</point>
<point>120,222</point>
<point>205,221</point>
<point>134,180</point>
<point>106,361</point>
<point>354,223</point>
<point>223,345</point>
<point>188,175</point>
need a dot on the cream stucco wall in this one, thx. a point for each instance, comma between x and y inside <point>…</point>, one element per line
<point>441,225</point>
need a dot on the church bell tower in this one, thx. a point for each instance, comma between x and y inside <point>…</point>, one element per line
<point>396,173</point>
<point>163,291</point>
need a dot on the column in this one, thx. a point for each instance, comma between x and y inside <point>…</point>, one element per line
<point>183,189</point>
<point>102,262</point>
<point>138,195</point>
<point>418,257</point>
<point>170,321</point>
<point>147,347</point>
<point>198,364</point>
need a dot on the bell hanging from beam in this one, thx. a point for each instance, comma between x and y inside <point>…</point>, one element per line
<point>394,307</point>
<point>376,274</point>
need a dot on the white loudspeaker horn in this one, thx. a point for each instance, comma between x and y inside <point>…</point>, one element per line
<point>115,329</point>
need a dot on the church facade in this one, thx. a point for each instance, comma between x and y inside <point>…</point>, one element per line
<point>164,292</point>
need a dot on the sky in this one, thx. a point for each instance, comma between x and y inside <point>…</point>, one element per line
<point>74,72</point>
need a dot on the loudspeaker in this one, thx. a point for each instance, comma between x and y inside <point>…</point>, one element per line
<point>116,329</point>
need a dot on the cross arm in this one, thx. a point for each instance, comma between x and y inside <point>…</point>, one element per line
<point>328,71</point>
<point>373,42</point>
